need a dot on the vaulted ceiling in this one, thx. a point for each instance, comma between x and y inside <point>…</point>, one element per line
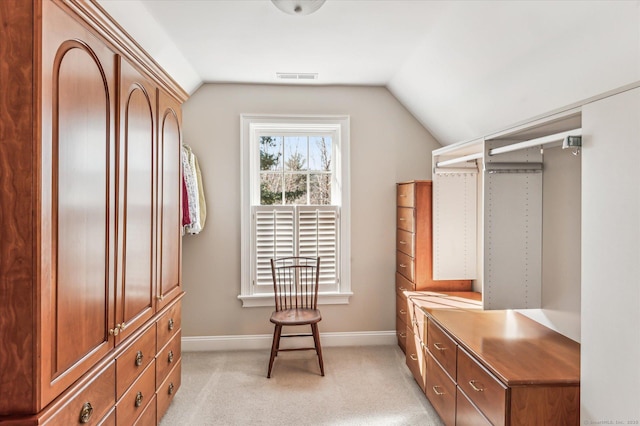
<point>462,68</point>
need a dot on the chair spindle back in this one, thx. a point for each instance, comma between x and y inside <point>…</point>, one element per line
<point>295,282</point>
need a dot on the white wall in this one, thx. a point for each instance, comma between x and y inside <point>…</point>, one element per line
<point>387,145</point>
<point>610,359</point>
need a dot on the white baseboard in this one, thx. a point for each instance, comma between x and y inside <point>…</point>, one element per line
<point>263,341</point>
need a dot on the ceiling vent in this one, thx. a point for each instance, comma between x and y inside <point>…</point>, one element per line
<point>297,76</point>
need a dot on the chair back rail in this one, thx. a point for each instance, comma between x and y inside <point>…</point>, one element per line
<point>295,282</point>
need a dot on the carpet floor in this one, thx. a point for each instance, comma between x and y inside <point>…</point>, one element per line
<point>362,386</point>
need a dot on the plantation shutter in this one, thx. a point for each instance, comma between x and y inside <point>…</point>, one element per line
<point>318,236</point>
<point>282,231</point>
<point>275,237</point>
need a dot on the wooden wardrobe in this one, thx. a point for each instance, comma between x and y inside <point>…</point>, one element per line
<point>90,240</point>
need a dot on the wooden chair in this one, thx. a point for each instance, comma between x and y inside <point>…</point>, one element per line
<point>295,286</point>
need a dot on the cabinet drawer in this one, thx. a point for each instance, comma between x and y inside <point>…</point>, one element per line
<point>419,324</point>
<point>110,419</point>
<point>168,388</point>
<point>401,308</point>
<point>405,265</point>
<point>403,284</point>
<point>168,357</point>
<point>405,242</point>
<point>137,397</point>
<point>132,362</point>
<point>482,388</point>
<point>168,325</point>
<point>405,219</point>
<point>441,391</point>
<point>415,358</point>
<point>467,414</point>
<point>442,347</point>
<point>91,403</point>
<point>401,332</point>
<point>148,416</point>
<point>405,195</point>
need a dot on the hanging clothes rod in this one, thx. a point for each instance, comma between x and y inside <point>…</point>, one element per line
<point>457,160</point>
<point>558,137</point>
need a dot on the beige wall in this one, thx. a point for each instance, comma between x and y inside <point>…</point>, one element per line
<point>387,145</point>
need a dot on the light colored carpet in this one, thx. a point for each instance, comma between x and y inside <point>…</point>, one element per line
<point>362,386</point>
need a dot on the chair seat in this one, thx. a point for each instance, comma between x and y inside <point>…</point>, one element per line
<point>296,316</point>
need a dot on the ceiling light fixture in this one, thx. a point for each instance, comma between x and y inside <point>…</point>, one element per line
<point>298,7</point>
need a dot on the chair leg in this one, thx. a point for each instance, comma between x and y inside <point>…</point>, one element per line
<point>316,340</point>
<point>275,345</point>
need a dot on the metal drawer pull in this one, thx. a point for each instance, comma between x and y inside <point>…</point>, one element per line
<point>403,312</point>
<point>139,398</point>
<point>439,346</point>
<point>474,387</point>
<point>86,412</point>
<point>413,357</point>
<point>403,335</point>
<point>402,265</point>
<point>435,389</point>
<point>402,219</point>
<point>403,289</point>
<point>403,195</point>
<point>139,358</point>
<point>170,324</point>
<point>402,242</point>
<point>170,357</point>
<point>170,388</point>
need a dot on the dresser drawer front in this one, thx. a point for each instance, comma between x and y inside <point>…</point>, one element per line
<point>148,416</point>
<point>168,388</point>
<point>442,347</point>
<point>405,195</point>
<point>405,242</point>
<point>401,332</point>
<point>415,359</point>
<point>168,357</point>
<point>133,361</point>
<point>401,308</point>
<point>482,388</point>
<point>441,391</point>
<point>420,324</point>
<point>405,219</point>
<point>137,397</point>
<point>93,402</point>
<point>403,284</point>
<point>168,325</point>
<point>405,265</point>
<point>467,414</point>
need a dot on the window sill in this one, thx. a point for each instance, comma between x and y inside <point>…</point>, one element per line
<point>260,300</point>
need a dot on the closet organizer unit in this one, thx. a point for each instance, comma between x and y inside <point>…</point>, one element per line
<point>90,251</point>
<point>414,253</point>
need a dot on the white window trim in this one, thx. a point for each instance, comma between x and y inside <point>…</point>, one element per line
<point>250,125</point>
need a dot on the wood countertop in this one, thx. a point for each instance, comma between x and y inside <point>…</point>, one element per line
<point>515,348</point>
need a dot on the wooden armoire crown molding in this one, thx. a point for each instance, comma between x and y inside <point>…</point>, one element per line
<point>92,14</point>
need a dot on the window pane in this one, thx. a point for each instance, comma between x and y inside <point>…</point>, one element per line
<point>270,152</point>
<point>295,188</point>
<point>295,153</point>
<point>270,189</point>
<point>320,153</point>
<point>320,189</point>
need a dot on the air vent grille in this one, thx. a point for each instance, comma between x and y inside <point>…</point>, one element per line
<point>297,76</point>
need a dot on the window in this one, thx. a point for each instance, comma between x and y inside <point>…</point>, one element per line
<point>295,201</point>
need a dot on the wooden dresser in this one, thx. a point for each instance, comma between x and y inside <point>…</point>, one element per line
<point>90,253</point>
<point>414,251</point>
<point>500,368</point>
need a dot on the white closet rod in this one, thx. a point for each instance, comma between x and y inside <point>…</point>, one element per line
<point>457,160</point>
<point>558,137</point>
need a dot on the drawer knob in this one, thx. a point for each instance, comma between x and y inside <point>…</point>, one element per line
<point>170,324</point>
<point>139,358</point>
<point>439,347</point>
<point>437,391</point>
<point>170,388</point>
<point>86,412</point>
<point>139,399</point>
<point>413,357</point>
<point>170,357</point>
<point>114,331</point>
<point>476,387</point>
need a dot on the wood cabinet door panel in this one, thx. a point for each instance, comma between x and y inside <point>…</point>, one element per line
<point>78,201</point>
<point>137,145</point>
<point>169,189</point>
